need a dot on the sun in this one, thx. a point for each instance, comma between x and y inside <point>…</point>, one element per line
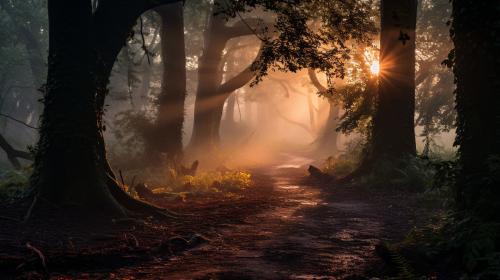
<point>375,67</point>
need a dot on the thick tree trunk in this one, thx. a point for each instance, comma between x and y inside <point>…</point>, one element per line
<point>208,103</point>
<point>68,169</point>
<point>477,64</point>
<point>393,134</point>
<point>167,135</point>
<point>70,166</point>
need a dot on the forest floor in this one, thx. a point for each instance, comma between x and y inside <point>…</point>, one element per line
<point>281,228</point>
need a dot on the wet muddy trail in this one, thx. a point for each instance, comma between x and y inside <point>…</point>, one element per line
<point>302,232</point>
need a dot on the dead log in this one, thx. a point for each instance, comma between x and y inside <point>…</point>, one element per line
<point>316,174</point>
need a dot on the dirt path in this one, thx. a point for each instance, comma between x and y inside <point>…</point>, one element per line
<point>306,234</point>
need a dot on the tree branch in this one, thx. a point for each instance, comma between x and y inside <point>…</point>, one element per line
<point>296,123</point>
<point>250,26</point>
<point>240,80</point>
<point>13,154</point>
<point>18,121</point>
<point>315,81</point>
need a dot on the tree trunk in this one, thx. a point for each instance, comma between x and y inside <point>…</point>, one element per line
<point>312,112</point>
<point>328,136</point>
<point>393,134</point>
<point>210,94</point>
<point>477,63</point>
<point>208,103</point>
<point>167,135</point>
<point>68,169</point>
<point>231,105</point>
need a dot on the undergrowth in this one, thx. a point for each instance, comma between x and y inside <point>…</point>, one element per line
<point>170,182</point>
<point>13,184</point>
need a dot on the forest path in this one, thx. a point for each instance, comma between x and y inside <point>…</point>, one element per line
<point>306,233</point>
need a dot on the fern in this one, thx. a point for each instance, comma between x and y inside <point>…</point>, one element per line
<point>405,271</point>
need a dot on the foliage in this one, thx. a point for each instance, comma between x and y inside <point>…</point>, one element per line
<point>347,161</point>
<point>310,34</point>
<point>476,244</point>
<point>172,183</point>
<point>13,184</point>
<point>405,271</point>
<point>434,99</point>
<point>412,174</point>
<point>131,130</point>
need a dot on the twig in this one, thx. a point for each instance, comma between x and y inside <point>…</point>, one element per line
<point>133,181</point>
<point>127,235</point>
<point>18,121</point>
<point>39,253</point>
<point>144,47</point>
<point>28,213</point>
<point>10,219</point>
<point>238,103</point>
<point>121,177</point>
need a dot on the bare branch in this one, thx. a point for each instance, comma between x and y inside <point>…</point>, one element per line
<point>13,154</point>
<point>18,121</point>
<point>315,81</point>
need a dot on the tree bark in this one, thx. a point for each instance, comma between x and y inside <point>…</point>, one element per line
<point>166,138</point>
<point>67,168</point>
<point>70,167</point>
<point>476,68</point>
<point>393,133</point>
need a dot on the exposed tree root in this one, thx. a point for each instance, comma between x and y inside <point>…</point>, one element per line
<point>134,206</point>
<point>109,258</point>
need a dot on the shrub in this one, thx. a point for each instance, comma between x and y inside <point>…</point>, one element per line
<point>13,184</point>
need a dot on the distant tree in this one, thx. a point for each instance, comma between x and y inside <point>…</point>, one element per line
<point>23,45</point>
<point>328,136</point>
<point>435,106</point>
<point>166,135</point>
<point>322,46</point>
<point>212,91</point>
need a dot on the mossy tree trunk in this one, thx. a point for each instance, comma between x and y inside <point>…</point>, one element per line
<point>70,168</point>
<point>476,29</point>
